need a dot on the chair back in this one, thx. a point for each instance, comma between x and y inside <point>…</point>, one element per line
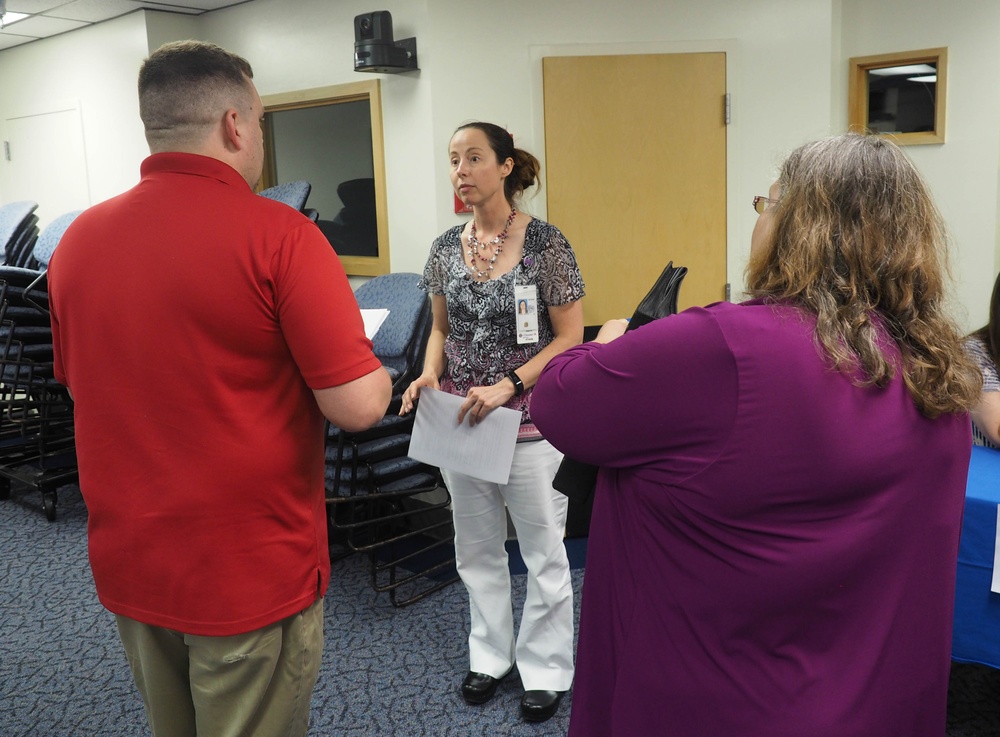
<point>13,215</point>
<point>402,338</point>
<point>50,236</point>
<point>294,194</point>
<point>18,231</point>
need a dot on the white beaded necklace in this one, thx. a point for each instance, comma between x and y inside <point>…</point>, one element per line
<point>497,243</point>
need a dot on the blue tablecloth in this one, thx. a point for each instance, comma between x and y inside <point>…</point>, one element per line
<point>976,636</point>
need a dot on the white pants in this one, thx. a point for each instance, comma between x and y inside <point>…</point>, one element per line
<point>544,646</point>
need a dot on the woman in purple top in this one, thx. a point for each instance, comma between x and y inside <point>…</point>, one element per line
<point>775,528</point>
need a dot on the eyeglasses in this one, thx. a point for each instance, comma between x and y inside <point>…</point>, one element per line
<point>761,203</point>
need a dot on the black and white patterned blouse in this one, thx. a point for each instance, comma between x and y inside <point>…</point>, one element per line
<point>482,340</point>
<point>991,381</point>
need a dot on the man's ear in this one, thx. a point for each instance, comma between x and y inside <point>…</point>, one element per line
<point>231,130</point>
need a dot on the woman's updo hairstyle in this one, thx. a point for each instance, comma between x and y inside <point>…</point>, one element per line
<point>526,167</point>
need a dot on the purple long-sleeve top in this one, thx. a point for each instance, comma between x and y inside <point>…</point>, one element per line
<point>773,548</point>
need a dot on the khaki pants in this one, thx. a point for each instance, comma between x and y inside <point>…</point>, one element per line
<point>257,684</point>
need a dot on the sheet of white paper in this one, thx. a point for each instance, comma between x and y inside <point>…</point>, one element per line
<point>995,584</point>
<point>484,451</point>
<point>373,321</point>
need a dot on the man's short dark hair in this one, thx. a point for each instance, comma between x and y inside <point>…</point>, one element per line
<point>185,86</point>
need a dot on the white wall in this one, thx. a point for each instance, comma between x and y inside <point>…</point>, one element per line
<point>483,61</point>
<point>787,64</point>
<point>963,171</point>
<point>310,43</point>
<point>97,66</point>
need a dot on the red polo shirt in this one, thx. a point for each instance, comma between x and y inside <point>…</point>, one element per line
<point>191,321</point>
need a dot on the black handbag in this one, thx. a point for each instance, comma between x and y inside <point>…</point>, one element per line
<point>577,479</point>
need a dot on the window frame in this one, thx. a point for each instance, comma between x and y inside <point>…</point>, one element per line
<point>858,112</point>
<point>370,91</point>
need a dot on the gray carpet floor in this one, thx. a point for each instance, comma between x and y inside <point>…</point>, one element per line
<point>386,671</point>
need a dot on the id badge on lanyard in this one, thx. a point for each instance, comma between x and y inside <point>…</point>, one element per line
<point>526,309</point>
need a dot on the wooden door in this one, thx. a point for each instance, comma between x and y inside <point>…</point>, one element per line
<point>635,150</point>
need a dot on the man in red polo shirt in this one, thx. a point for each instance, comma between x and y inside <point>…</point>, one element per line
<point>204,333</point>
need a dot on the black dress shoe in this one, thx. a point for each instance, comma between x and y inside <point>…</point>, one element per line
<point>478,688</point>
<point>537,706</point>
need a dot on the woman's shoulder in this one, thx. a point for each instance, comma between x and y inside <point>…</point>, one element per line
<point>976,347</point>
<point>751,321</point>
<point>749,311</point>
<point>542,237</point>
<point>541,230</point>
<point>974,343</point>
<point>450,236</point>
<point>767,310</point>
<point>447,242</point>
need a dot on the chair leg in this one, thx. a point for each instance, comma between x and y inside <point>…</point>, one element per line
<point>410,573</point>
<point>409,582</point>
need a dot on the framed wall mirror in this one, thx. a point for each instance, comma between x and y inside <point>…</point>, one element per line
<point>900,95</point>
<point>332,138</point>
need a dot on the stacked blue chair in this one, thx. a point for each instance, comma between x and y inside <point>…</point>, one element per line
<point>381,501</point>
<point>37,441</point>
<point>50,236</point>
<point>294,194</point>
<point>18,231</point>
<point>402,337</point>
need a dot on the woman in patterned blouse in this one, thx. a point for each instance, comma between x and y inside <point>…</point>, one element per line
<point>483,346</point>
<point>984,345</point>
